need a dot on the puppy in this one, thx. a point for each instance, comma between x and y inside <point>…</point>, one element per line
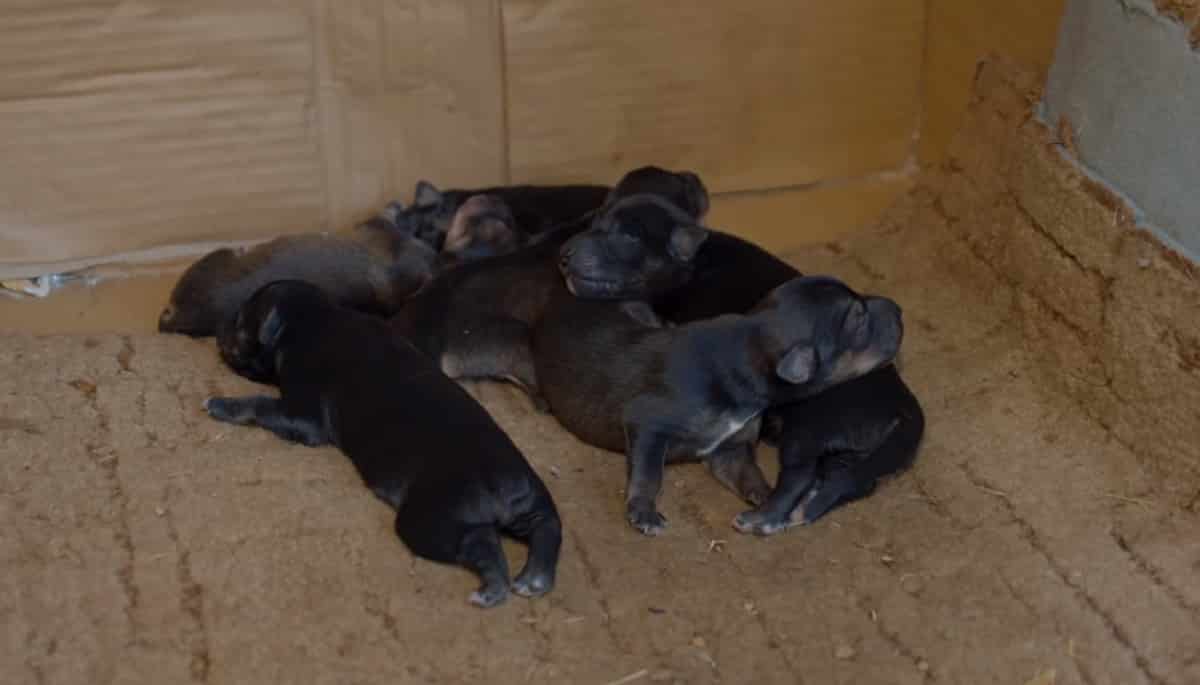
<point>475,319</point>
<point>373,269</point>
<point>535,209</point>
<point>418,440</point>
<point>834,447</point>
<point>617,380</point>
<point>482,227</point>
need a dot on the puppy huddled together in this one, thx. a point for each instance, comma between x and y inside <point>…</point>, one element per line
<point>616,309</point>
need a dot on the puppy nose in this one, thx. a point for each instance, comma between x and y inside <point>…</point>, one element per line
<point>166,316</point>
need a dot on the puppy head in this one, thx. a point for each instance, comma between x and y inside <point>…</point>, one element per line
<point>195,306</point>
<point>819,333</point>
<point>250,340</point>
<point>638,247</point>
<point>428,217</point>
<point>482,227</point>
<point>683,189</point>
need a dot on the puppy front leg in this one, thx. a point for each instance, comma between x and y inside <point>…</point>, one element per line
<point>798,461</point>
<point>646,453</point>
<point>267,412</point>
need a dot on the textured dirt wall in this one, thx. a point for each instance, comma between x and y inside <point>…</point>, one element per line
<point>1112,314</point>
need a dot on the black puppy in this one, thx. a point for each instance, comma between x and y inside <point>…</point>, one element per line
<point>535,208</point>
<point>833,447</point>
<point>475,319</point>
<point>418,440</point>
<point>618,381</point>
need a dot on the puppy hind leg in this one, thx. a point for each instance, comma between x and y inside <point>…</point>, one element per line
<point>839,485</point>
<point>479,551</point>
<point>499,350</point>
<point>542,531</point>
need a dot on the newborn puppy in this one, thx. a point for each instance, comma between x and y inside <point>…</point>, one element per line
<point>475,319</point>
<point>372,269</point>
<point>418,440</point>
<point>482,227</point>
<point>696,391</point>
<point>834,447</point>
<point>535,209</point>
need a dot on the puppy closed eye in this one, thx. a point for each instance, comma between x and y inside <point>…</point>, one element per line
<point>856,324</point>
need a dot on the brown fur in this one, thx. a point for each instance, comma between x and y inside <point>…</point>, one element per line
<point>369,269</point>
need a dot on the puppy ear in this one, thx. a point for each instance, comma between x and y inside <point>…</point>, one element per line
<point>686,241</point>
<point>271,328</point>
<point>798,365</point>
<point>426,195</point>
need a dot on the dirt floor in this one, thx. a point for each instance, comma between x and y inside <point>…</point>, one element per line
<point>148,544</point>
<point>1031,544</point>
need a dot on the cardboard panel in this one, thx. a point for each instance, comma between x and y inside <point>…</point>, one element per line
<point>753,94</point>
<point>786,220</point>
<point>408,90</point>
<point>136,126</point>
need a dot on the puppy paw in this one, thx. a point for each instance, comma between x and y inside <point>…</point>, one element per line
<point>489,596</point>
<point>757,496</point>
<point>533,584</point>
<point>220,409</point>
<point>649,523</point>
<point>757,523</point>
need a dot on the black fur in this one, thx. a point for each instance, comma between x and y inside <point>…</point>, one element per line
<point>419,441</point>
<point>475,319</point>
<point>536,209</point>
<point>834,447</point>
<point>617,381</point>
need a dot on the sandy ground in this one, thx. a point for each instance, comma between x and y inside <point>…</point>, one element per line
<point>145,543</point>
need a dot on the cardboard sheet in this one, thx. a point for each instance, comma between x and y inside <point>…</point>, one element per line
<point>753,94</point>
<point>137,126</point>
<point>148,129</point>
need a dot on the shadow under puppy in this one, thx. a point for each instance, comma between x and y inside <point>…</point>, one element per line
<point>373,268</point>
<point>475,319</point>
<point>618,379</point>
<point>833,447</point>
<point>418,440</point>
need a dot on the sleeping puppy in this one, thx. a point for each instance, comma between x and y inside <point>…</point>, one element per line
<point>475,319</point>
<point>535,209</point>
<point>834,447</point>
<point>418,440</point>
<point>482,227</point>
<point>618,380</point>
<point>372,269</point>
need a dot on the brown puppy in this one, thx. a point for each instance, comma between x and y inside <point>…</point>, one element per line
<point>483,226</point>
<point>371,269</point>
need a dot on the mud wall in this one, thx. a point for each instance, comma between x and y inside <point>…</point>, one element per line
<point>958,35</point>
<point>1109,310</point>
<point>1126,81</point>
